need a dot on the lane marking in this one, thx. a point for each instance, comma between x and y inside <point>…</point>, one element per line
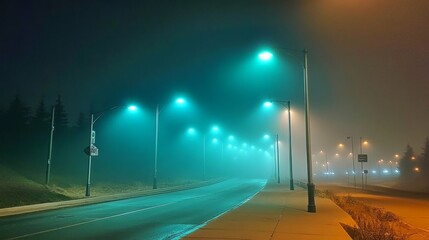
<point>90,221</point>
<point>144,209</point>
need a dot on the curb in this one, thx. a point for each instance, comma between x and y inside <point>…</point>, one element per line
<point>99,199</point>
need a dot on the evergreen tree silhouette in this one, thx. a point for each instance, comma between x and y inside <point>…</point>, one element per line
<point>407,165</point>
<point>17,118</point>
<point>424,160</point>
<point>41,119</point>
<point>61,121</point>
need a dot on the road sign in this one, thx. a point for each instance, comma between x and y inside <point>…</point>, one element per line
<point>93,150</point>
<point>362,158</point>
<point>93,137</point>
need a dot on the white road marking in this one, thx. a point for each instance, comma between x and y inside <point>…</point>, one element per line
<point>90,221</point>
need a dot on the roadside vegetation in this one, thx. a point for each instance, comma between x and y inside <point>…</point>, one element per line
<point>18,190</point>
<point>372,223</point>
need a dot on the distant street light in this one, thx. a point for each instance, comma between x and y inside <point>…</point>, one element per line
<point>326,161</point>
<point>379,166</point>
<point>155,171</point>
<point>265,56</point>
<point>286,104</point>
<point>214,140</point>
<point>275,156</point>
<point>92,150</point>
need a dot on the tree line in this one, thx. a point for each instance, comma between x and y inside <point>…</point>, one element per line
<point>414,169</point>
<point>25,136</point>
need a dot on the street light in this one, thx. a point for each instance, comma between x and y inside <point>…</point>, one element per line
<point>180,101</point>
<point>275,156</point>
<point>92,150</point>
<point>379,166</point>
<point>214,140</point>
<point>265,56</point>
<point>286,104</point>
<point>326,161</point>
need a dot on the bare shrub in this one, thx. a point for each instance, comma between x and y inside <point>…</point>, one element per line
<point>372,223</point>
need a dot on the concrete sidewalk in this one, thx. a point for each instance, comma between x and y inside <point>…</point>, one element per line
<point>278,213</point>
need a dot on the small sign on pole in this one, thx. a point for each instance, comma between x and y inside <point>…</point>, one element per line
<point>93,150</point>
<point>93,137</point>
<point>362,158</point>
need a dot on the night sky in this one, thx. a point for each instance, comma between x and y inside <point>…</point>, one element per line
<point>368,63</point>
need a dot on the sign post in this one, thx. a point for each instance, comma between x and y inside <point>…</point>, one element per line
<point>362,158</point>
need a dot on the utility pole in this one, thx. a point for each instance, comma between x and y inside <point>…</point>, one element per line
<point>48,166</point>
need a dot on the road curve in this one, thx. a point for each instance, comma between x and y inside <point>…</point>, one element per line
<point>163,216</point>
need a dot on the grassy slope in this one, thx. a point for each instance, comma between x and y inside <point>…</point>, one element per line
<point>16,190</point>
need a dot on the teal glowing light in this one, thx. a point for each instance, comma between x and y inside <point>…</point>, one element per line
<point>191,130</point>
<point>266,136</point>
<point>180,101</point>
<point>231,137</point>
<point>215,140</point>
<point>215,128</point>
<point>265,56</point>
<point>268,104</point>
<point>132,108</point>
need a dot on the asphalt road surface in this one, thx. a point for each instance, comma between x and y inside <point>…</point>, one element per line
<point>163,216</point>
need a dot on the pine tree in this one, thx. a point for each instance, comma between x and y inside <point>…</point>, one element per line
<point>424,160</point>
<point>82,123</point>
<point>61,121</point>
<point>42,117</point>
<point>17,117</point>
<point>407,164</point>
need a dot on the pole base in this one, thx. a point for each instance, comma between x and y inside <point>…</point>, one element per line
<point>291,185</point>
<point>311,203</point>
<point>88,191</point>
<point>155,186</point>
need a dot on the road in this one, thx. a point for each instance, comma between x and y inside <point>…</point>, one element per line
<point>411,207</point>
<point>163,216</point>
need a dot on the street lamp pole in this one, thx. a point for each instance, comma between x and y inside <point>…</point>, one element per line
<point>286,104</point>
<point>353,160</point>
<point>310,184</point>
<point>290,149</point>
<point>48,166</point>
<point>88,176</point>
<point>278,159</point>
<point>92,149</point>
<point>155,171</point>
<point>204,157</point>
<point>274,158</point>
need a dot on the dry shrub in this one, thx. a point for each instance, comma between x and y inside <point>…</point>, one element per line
<point>372,223</point>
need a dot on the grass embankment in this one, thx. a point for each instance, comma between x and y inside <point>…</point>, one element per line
<point>372,223</point>
<point>17,190</point>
